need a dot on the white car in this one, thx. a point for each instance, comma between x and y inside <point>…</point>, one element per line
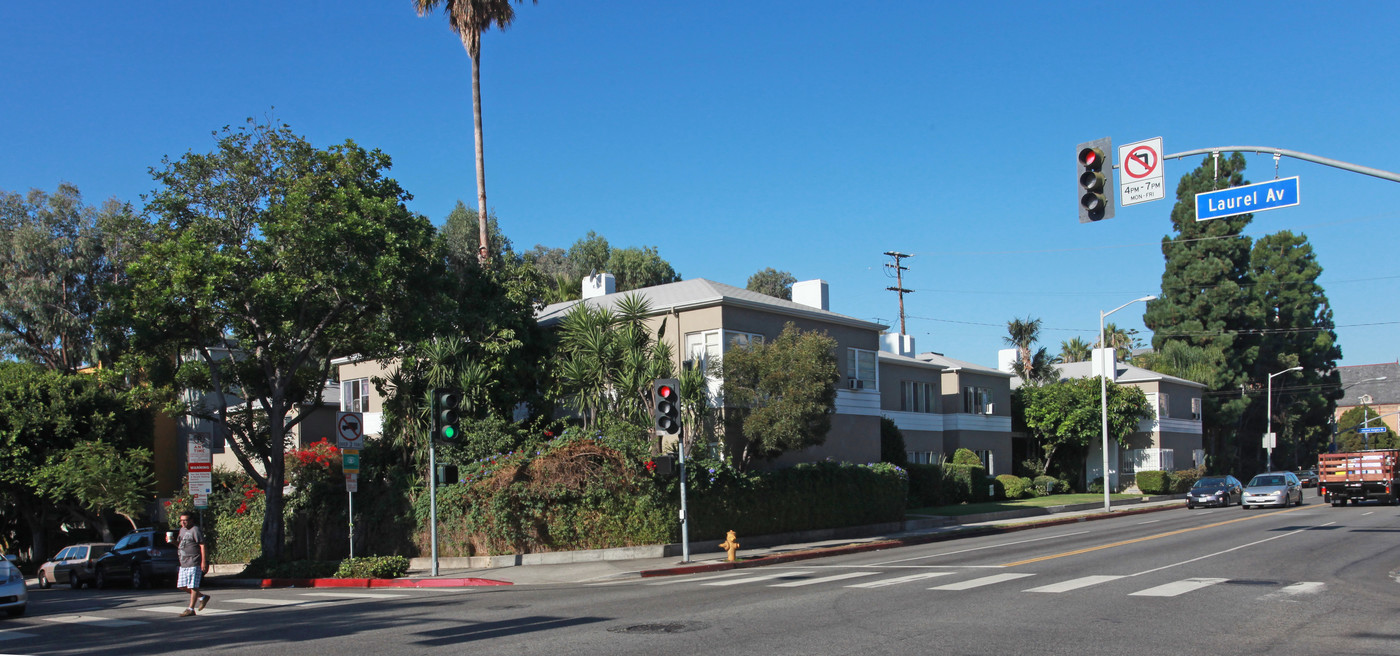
<point>14,596</point>
<point>1281,489</point>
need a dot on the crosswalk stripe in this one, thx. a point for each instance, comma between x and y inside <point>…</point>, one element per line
<point>977,583</point>
<point>175,610</point>
<point>706,577</point>
<point>1075,584</point>
<point>1177,587</point>
<point>755,579</point>
<point>90,620</point>
<point>15,635</point>
<point>354,595</point>
<point>822,579</point>
<point>1303,587</point>
<point>270,602</point>
<point>898,579</point>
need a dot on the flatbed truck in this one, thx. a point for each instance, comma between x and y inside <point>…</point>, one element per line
<point>1359,476</point>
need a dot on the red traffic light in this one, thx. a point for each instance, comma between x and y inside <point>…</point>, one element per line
<point>666,392</point>
<point>1091,158</point>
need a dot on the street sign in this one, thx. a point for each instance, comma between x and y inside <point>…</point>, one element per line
<point>199,468</point>
<point>1270,195</point>
<point>1271,440</point>
<point>352,482</point>
<point>350,461</point>
<point>349,430</point>
<point>1371,429</point>
<point>1141,175</point>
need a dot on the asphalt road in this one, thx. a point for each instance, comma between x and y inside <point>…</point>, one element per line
<point>1308,580</point>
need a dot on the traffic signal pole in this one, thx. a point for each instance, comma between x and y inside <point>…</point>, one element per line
<point>1281,152</point>
<point>432,481</point>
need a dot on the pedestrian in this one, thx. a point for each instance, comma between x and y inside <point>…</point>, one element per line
<point>194,562</point>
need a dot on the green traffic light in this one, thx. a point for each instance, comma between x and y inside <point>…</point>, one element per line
<point>449,432</point>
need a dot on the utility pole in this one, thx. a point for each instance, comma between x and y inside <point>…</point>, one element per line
<point>899,286</point>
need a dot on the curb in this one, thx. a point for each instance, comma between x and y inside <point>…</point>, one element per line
<point>881,545</point>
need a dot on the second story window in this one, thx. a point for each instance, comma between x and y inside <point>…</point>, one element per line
<point>1164,404</point>
<point>915,396</point>
<point>354,395</point>
<point>977,400</point>
<point>1196,409</point>
<point>860,369</point>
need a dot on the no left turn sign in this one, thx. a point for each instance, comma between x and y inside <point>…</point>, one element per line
<point>1141,177</point>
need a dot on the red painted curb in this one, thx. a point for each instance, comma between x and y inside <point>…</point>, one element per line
<point>340,583</point>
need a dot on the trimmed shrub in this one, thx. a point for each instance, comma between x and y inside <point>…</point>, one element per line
<point>1048,485</point>
<point>372,567</point>
<point>1183,479</point>
<point>805,497</point>
<point>892,443</point>
<point>1154,482</point>
<point>1096,486</point>
<point>967,458</point>
<point>1015,487</point>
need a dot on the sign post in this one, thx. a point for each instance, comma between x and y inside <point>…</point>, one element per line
<point>1141,175</point>
<point>350,436</point>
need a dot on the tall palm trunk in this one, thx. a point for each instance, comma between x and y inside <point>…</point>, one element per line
<point>482,254</point>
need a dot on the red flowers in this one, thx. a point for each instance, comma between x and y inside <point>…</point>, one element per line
<point>650,465</point>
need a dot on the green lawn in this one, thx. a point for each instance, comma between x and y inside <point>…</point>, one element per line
<point>997,506</point>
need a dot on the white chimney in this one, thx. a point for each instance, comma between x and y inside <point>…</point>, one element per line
<point>599,284</point>
<point>1005,359</point>
<point>1100,356</point>
<point>898,344</point>
<point>812,293</point>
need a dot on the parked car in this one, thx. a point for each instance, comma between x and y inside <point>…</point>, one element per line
<point>1273,489</point>
<point>141,558</point>
<point>74,565</point>
<point>14,596</point>
<point>1308,477</point>
<point>1215,491</point>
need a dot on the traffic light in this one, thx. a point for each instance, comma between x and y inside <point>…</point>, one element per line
<point>1095,180</point>
<point>445,414</point>
<point>666,407</point>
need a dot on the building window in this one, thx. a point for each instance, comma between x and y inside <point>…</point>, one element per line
<point>977,400</point>
<point>987,459</point>
<point>915,396</point>
<point>354,395</point>
<point>860,369</point>
<point>921,457</point>
<point>1196,409</point>
<point>1164,405</point>
<point>701,348</point>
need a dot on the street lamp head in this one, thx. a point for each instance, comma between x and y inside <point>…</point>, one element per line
<point>1298,368</point>
<point>1146,299</point>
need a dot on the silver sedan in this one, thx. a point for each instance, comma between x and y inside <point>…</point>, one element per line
<point>1273,489</point>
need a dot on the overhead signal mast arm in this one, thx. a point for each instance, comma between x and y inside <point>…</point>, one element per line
<point>1282,152</point>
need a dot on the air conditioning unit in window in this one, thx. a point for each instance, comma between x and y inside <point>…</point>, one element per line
<point>855,383</point>
<point>990,409</point>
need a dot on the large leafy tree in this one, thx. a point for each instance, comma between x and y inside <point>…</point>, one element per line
<point>1207,302</point>
<point>58,260</point>
<point>772,282</point>
<point>780,394</point>
<point>280,255</point>
<point>461,231</point>
<point>1070,413</point>
<point>1350,439</point>
<point>102,478</point>
<point>469,19</point>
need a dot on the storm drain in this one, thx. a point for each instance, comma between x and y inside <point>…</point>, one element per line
<point>660,627</point>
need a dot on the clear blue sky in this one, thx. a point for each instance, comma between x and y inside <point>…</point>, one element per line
<point>808,136</point>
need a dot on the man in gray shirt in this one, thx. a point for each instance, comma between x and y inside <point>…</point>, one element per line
<point>194,562</point>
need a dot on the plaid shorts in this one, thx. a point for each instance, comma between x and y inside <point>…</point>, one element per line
<point>189,578</point>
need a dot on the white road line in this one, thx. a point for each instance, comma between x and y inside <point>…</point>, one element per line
<point>1177,588</point>
<point>176,610</point>
<point>755,579</point>
<point>1219,553</point>
<point>1075,584</point>
<point>270,602</point>
<point>1304,587</point>
<point>991,546</point>
<point>15,635</point>
<point>92,620</point>
<point>898,579</point>
<point>706,577</point>
<point>822,579</point>
<point>1150,521</point>
<point>354,595</point>
<point>977,583</point>
<point>1370,512</point>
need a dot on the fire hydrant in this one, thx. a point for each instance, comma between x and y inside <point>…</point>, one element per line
<point>730,545</point>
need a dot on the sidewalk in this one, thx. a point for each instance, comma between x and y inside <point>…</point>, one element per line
<point>604,565</point>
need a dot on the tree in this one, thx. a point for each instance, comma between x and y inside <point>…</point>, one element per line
<point>635,268</point>
<point>1121,341</point>
<point>1070,413</point>
<point>1177,358</point>
<point>1206,302</point>
<point>892,447</point>
<point>606,361</point>
<point>281,255</point>
<point>781,393</point>
<point>58,258</point>
<point>590,254</point>
<point>461,229</point>
<point>772,282</point>
<point>102,478</point>
<point>1033,366</point>
<point>469,19</point>
<point>1074,350</point>
<point>1348,437</point>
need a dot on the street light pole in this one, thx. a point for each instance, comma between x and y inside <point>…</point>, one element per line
<point>1103,387</point>
<point>1269,418</point>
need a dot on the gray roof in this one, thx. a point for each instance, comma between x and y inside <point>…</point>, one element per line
<point>1381,391</point>
<point>698,293</point>
<point>955,365</point>
<point>913,362</point>
<point>1126,374</point>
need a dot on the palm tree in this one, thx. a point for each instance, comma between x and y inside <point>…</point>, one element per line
<point>1074,350</point>
<point>1121,341</point>
<point>469,18</point>
<point>1022,335</point>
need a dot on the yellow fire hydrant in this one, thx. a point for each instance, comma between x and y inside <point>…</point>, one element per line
<point>730,545</point>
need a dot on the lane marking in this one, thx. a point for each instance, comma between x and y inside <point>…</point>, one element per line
<point>898,579</point>
<point>1145,538</point>
<point>1304,587</point>
<point>11,634</point>
<point>1219,553</point>
<point>91,620</point>
<point>977,583</point>
<point>761,577</point>
<point>176,610</point>
<point>822,579</point>
<point>993,546</point>
<point>705,577</point>
<point>1176,588</point>
<point>1075,584</point>
<point>272,602</point>
<point>1369,512</point>
<point>355,595</point>
<point>1150,521</point>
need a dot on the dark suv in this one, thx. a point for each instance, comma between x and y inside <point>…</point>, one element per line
<point>140,558</point>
